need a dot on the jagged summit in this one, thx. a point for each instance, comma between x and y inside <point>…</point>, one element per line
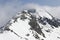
<point>32,24</point>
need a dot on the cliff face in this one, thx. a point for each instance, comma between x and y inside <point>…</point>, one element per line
<point>31,24</point>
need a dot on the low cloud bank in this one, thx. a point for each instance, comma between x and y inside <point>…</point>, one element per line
<point>8,10</point>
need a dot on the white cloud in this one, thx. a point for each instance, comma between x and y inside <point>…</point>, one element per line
<point>10,9</point>
<point>55,11</point>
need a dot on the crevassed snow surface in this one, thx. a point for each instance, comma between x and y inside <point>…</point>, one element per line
<point>22,28</point>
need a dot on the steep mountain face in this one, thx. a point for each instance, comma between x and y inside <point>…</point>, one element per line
<point>31,24</point>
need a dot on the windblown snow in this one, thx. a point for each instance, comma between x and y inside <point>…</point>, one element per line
<point>28,25</point>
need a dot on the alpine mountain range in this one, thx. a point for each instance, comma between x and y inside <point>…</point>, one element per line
<point>31,24</point>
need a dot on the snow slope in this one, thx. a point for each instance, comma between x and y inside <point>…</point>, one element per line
<point>33,31</point>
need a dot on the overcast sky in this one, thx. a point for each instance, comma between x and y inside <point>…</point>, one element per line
<point>40,2</point>
<point>9,8</point>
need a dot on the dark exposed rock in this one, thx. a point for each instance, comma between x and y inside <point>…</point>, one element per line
<point>42,39</point>
<point>23,17</point>
<point>27,34</point>
<point>35,26</point>
<point>23,12</point>
<point>41,20</point>
<point>36,36</point>
<point>47,30</point>
<point>58,37</point>
<point>31,10</point>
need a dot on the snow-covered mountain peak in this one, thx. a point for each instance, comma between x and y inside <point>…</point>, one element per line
<point>32,24</point>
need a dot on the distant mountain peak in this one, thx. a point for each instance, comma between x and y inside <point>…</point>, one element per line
<point>32,24</point>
